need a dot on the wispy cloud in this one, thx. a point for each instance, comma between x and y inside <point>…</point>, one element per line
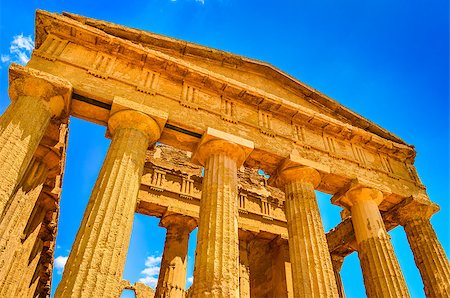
<point>60,262</point>
<point>151,271</point>
<point>5,58</point>
<point>19,50</point>
<point>199,1</point>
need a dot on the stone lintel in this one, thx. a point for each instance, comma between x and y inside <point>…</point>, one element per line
<point>234,145</point>
<point>185,212</point>
<point>26,81</point>
<point>246,235</point>
<point>296,161</point>
<point>279,240</point>
<point>341,198</point>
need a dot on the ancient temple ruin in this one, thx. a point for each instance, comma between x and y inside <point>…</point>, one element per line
<point>172,108</point>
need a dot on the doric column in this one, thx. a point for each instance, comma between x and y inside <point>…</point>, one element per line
<point>381,270</point>
<point>26,257</point>
<point>36,98</point>
<point>260,265</point>
<point>172,275</point>
<point>414,215</point>
<point>337,262</point>
<point>97,259</point>
<point>281,268</point>
<point>244,265</point>
<point>312,271</point>
<point>19,210</point>
<point>216,271</point>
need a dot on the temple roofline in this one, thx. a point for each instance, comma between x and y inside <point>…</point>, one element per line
<point>183,48</point>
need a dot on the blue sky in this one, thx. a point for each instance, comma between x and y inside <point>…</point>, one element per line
<point>386,60</point>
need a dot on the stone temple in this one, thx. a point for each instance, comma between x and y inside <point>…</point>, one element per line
<point>206,109</point>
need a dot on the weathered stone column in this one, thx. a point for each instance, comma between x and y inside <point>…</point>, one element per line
<point>281,268</point>
<point>381,270</point>
<point>19,210</point>
<point>337,262</point>
<point>26,256</point>
<point>244,265</point>
<point>172,275</point>
<point>414,215</point>
<point>216,271</point>
<point>312,271</point>
<point>260,266</point>
<point>36,98</point>
<point>97,259</point>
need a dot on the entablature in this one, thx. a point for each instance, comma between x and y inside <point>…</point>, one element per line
<point>101,67</point>
<point>218,61</point>
<point>113,47</point>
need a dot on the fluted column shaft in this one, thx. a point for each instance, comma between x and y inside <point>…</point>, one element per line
<point>281,269</point>
<point>337,262</point>
<point>312,271</point>
<point>17,215</point>
<point>36,98</point>
<point>25,258</point>
<point>172,275</point>
<point>97,259</point>
<point>381,270</point>
<point>22,127</point>
<point>244,270</point>
<point>216,269</point>
<point>429,256</point>
<point>216,272</point>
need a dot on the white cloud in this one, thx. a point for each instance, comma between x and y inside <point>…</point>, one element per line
<point>199,1</point>
<point>60,262</point>
<point>19,50</point>
<point>5,58</point>
<point>151,271</point>
<point>190,280</point>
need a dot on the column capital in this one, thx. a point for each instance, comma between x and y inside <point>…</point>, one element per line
<point>214,141</point>
<point>55,91</point>
<point>356,191</point>
<point>296,168</point>
<point>45,164</point>
<point>413,208</point>
<point>337,261</point>
<point>50,157</point>
<point>126,113</point>
<point>178,221</point>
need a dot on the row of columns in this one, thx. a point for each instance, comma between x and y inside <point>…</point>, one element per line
<point>95,264</point>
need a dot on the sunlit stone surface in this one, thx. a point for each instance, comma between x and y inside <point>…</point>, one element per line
<point>232,116</point>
